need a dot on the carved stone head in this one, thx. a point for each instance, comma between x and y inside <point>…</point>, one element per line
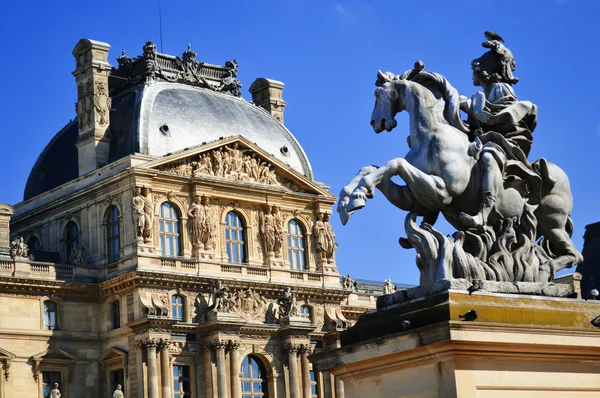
<point>204,200</point>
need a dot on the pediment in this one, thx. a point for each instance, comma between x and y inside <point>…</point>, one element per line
<point>237,160</point>
<point>6,354</point>
<point>53,354</point>
<point>113,354</point>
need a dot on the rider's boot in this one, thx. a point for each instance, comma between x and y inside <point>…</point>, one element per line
<point>480,219</point>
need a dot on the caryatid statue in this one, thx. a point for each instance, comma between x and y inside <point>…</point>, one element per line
<point>278,231</point>
<point>148,215</point>
<point>201,224</point>
<point>475,172</point>
<point>331,243</point>
<point>137,210</point>
<point>268,231</point>
<point>320,237</point>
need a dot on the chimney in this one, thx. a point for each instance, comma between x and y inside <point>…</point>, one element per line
<point>267,94</point>
<point>5,212</point>
<point>93,104</point>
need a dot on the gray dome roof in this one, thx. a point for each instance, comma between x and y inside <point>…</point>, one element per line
<point>160,118</point>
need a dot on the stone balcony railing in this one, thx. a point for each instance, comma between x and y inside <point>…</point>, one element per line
<point>24,268</point>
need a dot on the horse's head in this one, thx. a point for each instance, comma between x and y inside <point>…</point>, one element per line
<point>387,103</point>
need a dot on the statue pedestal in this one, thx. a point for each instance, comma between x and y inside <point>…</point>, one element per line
<point>518,346</point>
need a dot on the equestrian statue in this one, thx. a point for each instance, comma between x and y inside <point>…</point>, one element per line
<point>512,216</point>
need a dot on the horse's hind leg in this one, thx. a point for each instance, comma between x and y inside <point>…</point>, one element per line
<point>430,191</point>
<point>566,253</point>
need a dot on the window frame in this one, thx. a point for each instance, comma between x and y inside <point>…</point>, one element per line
<point>46,320</point>
<point>115,314</point>
<point>35,239</point>
<point>71,238</point>
<point>174,236</point>
<point>238,230</point>
<point>300,262</point>
<point>262,378</point>
<point>178,306</point>
<point>113,240</point>
<point>184,382</point>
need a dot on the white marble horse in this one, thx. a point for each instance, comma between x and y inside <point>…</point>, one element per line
<point>445,172</point>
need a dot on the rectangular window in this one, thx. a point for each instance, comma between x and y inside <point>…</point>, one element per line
<point>181,382</point>
<point>117,377</point>
<point>116,315</point>
<point>48,380</point>
<point>313,385</point>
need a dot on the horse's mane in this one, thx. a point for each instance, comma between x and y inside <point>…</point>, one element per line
<point>446,95</point>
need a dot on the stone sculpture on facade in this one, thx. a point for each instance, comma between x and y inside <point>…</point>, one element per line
<point>348,282</point>
<point>202,225</point>
<point>118,393</point>
<point>388,287</point>
<point>18,248</point>
<point>331,243</point>
<point>320,237</point>
<point>54,391</point>
<point>102,102</point>
<point>143,213</point>
<point>476,173</point>
<point>287,304</point>
<point>148,215</point>
<point>279,232</point>
<point>249,305</point>
<point>77,255</point>
<point>222,301</point>
<point>235,164</point>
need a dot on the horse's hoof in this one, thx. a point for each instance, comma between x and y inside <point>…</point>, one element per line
<point>355,204</point>
<point>344,217</point>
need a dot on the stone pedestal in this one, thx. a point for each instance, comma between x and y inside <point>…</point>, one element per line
<point>515,345</point>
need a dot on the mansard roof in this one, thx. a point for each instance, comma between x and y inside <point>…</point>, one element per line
<point>164,106</point>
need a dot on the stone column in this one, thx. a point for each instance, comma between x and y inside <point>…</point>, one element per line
<point>221,369</point>
<point>234,369</point>
<point>304,350</point>
<point>339,388</point>
<point>292,350</point>
<point>165,368</point>
<point>152,370</point>
<point>208,380</point>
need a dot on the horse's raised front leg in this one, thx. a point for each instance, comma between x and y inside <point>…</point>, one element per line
<point>344,197</point>
<point>429,190</point>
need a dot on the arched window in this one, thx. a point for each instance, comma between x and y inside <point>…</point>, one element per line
<point>168,230</point>
<point>50,315</point>
<point>115,313</point>
<point>33,243</point>
<point>112,234</point>
<point>305,312</point>
<point>254,378</point>
<point>177,307</point>
<point>296,245</point>
<point>71,238</point>
<point>235,238</point>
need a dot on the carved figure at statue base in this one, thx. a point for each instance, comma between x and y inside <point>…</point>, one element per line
<point>512,216</point>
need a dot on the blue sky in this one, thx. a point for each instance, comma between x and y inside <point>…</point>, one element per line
<point>327,53</point>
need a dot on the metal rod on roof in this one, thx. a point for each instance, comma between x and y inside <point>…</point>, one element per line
<point>160,25</point>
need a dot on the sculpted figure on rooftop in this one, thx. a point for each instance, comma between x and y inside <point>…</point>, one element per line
<point>512,216</point>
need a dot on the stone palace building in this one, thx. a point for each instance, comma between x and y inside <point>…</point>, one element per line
<point>171,240</point>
